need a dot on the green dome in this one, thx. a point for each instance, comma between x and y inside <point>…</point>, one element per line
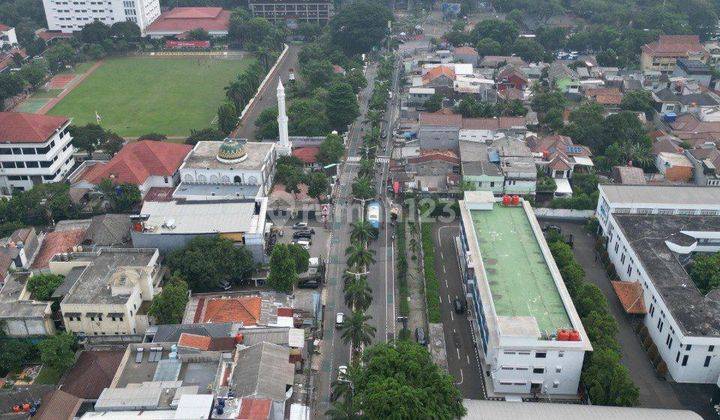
<point>231,150</point>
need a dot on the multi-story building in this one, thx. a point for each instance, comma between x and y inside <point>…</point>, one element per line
<point>662,55</point>
<point>503,166</point>
<point>34,149</point>
<point>111,289</point>
<point>72,16</point>
<point>527,330</point>
<point>293,12</point>
<point>8,37</point>
<point>652,234</point>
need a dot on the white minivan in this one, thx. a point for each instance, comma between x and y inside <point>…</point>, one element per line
<point>339,319</point>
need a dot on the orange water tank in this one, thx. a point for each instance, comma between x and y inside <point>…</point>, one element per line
<point>16,408</point>
<point>238,338</point>
<point>26,407</point>
<point>574,335</point>
<point>515,200</point>
<point>563,335</point>
<point>506,200</point>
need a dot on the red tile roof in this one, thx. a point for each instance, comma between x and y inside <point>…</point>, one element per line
<point>465,51</point>
<point>436,154</point>
<point>307,154</point>
<point>630,294</point>
<point>674,45</point>
<point>255,409</point>
<point>139,160</point>
<point>440,118</point>
<point>195,341</point>
<point>438,71</point>
<point>57,243</point>
<point>241,309</point>
<point>183,19</point>
<point>18,127</point>
<point>46,35</point>
<point>285,312</point>
<point>4,28</point>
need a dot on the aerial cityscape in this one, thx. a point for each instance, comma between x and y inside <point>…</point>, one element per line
<point>327,209</point>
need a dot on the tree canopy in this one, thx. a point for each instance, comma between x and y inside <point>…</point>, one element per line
<point>286,263</point>
<point>168,306</point>
<point>42,286</point>
<point>332,150</point>
<point>208,261</point>
<point>360,26</point>
<point>705,271</point>
<point>58,351</point>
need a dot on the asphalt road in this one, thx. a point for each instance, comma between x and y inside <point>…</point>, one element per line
<point>462,357</point>
<point>267,97</point>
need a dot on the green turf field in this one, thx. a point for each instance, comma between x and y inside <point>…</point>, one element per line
<point>520,280</point>
<point>138,95</point>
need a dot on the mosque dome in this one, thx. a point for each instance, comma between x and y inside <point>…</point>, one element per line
<point>232,151</point>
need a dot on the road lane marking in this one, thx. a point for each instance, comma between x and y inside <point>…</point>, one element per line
<point>457,349</point>
<point>446,284</point>
<point>468,358</point>
<point>442,257</point>
<point>444,271</point>
<point>451,316</point>
<point>461,377</point>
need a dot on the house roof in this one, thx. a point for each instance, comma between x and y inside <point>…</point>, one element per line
<point>557,143</point>
<point>254,409</point>
<point>438,71</point>
<point>512,70</point>
<point>137,161</point>
<point>630,294</point>
<point>56,243</point>
<point>262,370</point>
<point>18,127</point>
<point>629,175</point>
<point>93,371</point>
<point>200,342</point>
<point>502,123</point>
<point>496,60</point>
<point>689,124</point>
<point>58,405</point>
<point>307,154</point>
<point>665,144</point>
<point>693,99</point>
<point>440,119</point>
<point>673,45</point>
<point>238,309</point>
<point>108,230</point>
<point>47,36</point>
<point>184,19</point>
<point>4,28</point>
<point>436,154</point>
<point>559,164</point>
<point>675,159</point>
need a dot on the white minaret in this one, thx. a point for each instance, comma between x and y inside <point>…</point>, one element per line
<point>284,148</point>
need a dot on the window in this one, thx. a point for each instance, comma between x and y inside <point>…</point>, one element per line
<point>677,358</point>
<point>711,349</point>
<point>707,361</point>
<point>688,347</point>
<point>685,360</point>
<point>92,318</point>
<point>539,370</point>
<point>558,369</point>
<point>629,270</point>
<point>622,258</point>
<point>652,310</point>
<point>556,384</point>
<point>561,354</point>
<point>617,245</point>
<point>541,355</point>
<point>506,368</point>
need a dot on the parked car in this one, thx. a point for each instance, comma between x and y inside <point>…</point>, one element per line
<point>304,234</point>
<point>459,305</point>
<point>556,228</point>
<point>225,285</point>
<point>339,318</point>
<point>420,336</point>
<point>303,243</point>
<point>313,283</point>
<point>300,225</point>
<point>342,373</point>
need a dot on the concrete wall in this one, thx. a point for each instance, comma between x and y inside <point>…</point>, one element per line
<point>28,327</point>
<point>560,375</point>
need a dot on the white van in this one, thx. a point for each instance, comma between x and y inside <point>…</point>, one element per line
<point>339,319</point>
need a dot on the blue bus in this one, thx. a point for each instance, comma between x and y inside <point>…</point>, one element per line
<point>373,214</point>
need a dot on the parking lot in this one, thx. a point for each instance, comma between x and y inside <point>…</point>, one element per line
<point>319,241</point>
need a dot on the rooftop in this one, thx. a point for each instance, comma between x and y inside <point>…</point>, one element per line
<point>11,306</point>
<point>672,45</point>
<point>263,371</point>
<point>55,243</point>
<point>693,66</point>
<point>475,159</point>
<point>184,19</point>
<point>638,195</point>
<point>204,156</point>
<point>697,315</point>
<point>245,310</point>
<point>519,277</point>
<point>106,270</point>
<point>202,217</point>
<point>221,191</point>
<point>92,372</point>
<point>17,127</point>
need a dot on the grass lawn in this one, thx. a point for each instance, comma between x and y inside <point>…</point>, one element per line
<point>47,376</point>
<point>139,95</point>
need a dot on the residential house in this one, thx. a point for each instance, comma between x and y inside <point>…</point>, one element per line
<point>694,70</point>
<point>112,290</point>
<point>628,175</point>
<point>496,61</point>
<point>706,161</point>
<point>559,157</point>
<point>20,247</point>
<point>690,128</point>
<point>21,315</point>
<point>433,163</point>
<point>483,89</point>
<point>480,167</point>
<point>563,78</point>
<point>518,166</point>
<point>682,100</point>
<point>662,55</point>
<point>439,130</point>
<point>8,37</point>
<point>441,78</point>
<point>675,167</point>
<point>713,51</point>
<point>34,149</point>
<point>609,98</point>
<point>92,372</point>
<point>144,163</point>
<point>467,55</point>
<point>417,96</point>
<point>511,77</point>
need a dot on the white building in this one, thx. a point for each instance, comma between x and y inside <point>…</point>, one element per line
<point>529,335</point>
<point>72,16</point>
<point>34,149</point>
<point>8,38</point>
<point>652,233</point>
<point>227,170</point>
<point>111,292</point>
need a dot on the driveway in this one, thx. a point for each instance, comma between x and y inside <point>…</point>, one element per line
<point>654,392</point>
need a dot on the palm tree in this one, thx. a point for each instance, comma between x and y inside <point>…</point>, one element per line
<point>366,167</point>
<point>342,411</point>
<point>362,188</point>
<point>362,231</point>
<point>356,330</point>
<point>359,256</point>
<point>358,294</point>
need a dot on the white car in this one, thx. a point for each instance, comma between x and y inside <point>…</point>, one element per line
<point>339,318</point>
<point>342,372</point>
<point>303,243</point>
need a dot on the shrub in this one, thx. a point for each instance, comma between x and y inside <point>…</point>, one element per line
<point>432,286</point>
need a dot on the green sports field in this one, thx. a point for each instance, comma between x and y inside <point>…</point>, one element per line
<point>138,95</point>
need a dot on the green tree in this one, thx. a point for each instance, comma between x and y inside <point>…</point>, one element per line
<point>553,119</point>
<point>434,103</point>
<point>608,381</point>
<point>400,380</point>
<point>359,257</point>
<point>153,137</point>
<point>300,256</point>
<point>59,55</point>
<point>356,330</point>
<point>126,30</point>
<point>208,261</point>
<point>168,306</point>
<point>14,354</point>
<point>331,150</point>
<point>88,137</point>
<point>640,101</point>
<point>123,198</point>
<point>362,232</point>
<point>545,100</point>
<point>488,46</point>
<point>505,32</point>
<point>227,117</point>
<point>705,271</point>
<point>42,286</point>
<point>198,34</point>
<point>342,107</point>
<point>58,352</point>
<point>360,26</point>
<point>358,294</point>
<point>308,117</point>
<point>318,185</point>
<point>357,79</point>
<point>204,134</point>
<point>362,188</point>
<point>266,125</point>
<point>529,49</point>
<point>95,32</point>
<point>34,73</point>
<point>283,272</point>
